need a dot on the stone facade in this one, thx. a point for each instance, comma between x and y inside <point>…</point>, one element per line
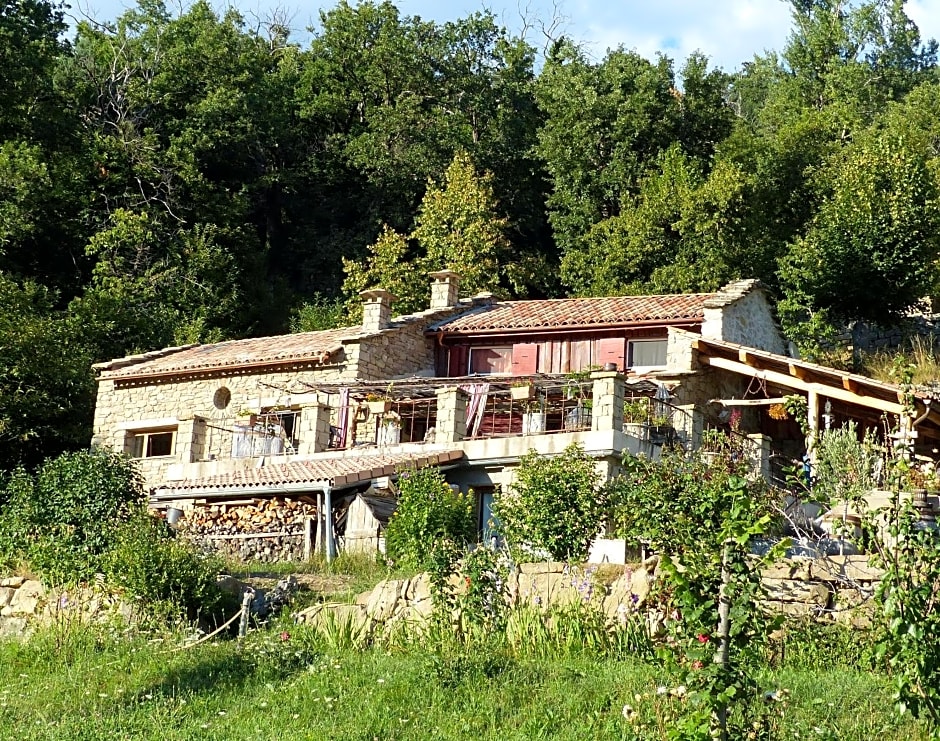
<point>190,405</point>
<point>741,313</point>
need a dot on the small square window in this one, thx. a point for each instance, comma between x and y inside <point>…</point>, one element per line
<point>648,353</point>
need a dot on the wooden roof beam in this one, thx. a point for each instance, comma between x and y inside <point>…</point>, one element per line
<point>797,371</point>
<point>794,382</point>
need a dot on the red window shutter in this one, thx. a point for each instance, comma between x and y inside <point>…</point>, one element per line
<point>611,350</point>
<point>525,357</point>
<point>458,361</point>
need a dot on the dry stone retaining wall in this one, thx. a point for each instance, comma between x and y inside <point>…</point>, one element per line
<point>838,589</point>
<point>26,603</point>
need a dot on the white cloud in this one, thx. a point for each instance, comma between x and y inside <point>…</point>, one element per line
<point>729,32</point>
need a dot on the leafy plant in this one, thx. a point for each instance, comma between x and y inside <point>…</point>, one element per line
<point>64,518</point>
<point>701,519</point>
<point>152,563</point>
<point>636,411</point>
<point>429,513</point>
<point>553,505</point>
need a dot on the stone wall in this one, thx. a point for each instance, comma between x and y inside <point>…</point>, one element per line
<point>832,589</point>
<point>837,589</point>
<point>26,604</point>
<point>741,313</point>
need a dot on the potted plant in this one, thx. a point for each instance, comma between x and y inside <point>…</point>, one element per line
<point>636,414</point>
<point>379,403</point>
<point>522,391</point>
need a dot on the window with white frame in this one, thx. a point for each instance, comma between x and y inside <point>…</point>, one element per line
<point>647,354</point>
<point>152,443</point>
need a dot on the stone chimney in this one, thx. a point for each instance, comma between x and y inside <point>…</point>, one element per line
<point>376,309</point>
<point>444,285</point>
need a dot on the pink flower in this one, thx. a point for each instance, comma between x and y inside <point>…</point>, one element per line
<point>285,636</point>
<point>702,638</point>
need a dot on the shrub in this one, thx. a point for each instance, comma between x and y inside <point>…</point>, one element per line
<point>63,518</point>
<point>554,504</point>
<point>149,561</point>
<point>429,513</point>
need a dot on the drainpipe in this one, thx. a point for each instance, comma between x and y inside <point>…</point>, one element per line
<point>328,515</point>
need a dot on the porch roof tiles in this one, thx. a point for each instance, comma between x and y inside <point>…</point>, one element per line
<point>338,471</point>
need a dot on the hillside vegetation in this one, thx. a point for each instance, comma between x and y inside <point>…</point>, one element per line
<point>180,175</point>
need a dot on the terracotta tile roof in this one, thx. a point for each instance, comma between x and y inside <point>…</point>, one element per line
<point>317,346</point>
<point>579,312</point>
<point>339,471</point>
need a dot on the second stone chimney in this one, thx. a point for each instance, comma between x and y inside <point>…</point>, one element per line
<point>444,286</point>
<point>376,309</point>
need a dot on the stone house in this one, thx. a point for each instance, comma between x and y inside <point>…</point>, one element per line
<point>469,385</point>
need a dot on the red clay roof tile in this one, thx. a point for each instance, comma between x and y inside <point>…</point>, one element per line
<point>233,353</point>
<point>580,312</point>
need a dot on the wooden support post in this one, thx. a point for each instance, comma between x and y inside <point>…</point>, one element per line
<point>247,597</point>
<point>321,527</point>
<point>308,538</point>
<point>812,418</point>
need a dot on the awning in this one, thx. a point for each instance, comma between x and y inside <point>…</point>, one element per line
<point>337,472</point>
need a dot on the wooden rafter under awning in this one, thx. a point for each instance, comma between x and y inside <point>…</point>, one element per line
<point>806,377</point>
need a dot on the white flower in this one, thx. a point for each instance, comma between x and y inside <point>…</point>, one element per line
<point>628,712</point>
<point>662,690</point>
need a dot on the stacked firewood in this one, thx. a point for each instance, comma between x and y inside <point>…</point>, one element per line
<point>260,529</point>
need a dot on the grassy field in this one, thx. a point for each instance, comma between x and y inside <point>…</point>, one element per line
<point>75,683</point>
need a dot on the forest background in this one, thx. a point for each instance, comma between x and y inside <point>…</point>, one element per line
<point>185,176</point>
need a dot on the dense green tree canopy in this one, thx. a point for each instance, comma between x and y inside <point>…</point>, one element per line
<point>177,174</point>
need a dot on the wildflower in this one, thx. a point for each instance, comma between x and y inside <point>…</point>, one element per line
<point>662,690</point>
<point>285,636</point>
<point>679,691</point>
<point>629,713</point>
<point>697,664</point>
<point>702,638</point>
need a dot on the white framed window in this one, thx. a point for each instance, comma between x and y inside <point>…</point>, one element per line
<point>152,443</point>
<point>487,361</point>
<point>647,354</point>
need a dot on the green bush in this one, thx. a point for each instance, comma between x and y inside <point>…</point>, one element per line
<point>429,513</point>
<point>63,518</point>
<point>553,505</point>
<point>149,561</point>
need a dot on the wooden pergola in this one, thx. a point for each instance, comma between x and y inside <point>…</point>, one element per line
<point>860,396</point>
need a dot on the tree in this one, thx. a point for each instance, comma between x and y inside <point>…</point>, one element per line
<point>46,384</point>
<point>63,519</point>
<point>871,249</point>
<point>553,505</point>
<point>457,229</point>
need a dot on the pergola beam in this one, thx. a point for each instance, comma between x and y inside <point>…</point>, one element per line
<point>795,382</point>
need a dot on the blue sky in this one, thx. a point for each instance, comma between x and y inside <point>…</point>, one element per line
<point>728,31</point>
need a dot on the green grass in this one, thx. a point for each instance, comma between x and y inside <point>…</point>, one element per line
<point>71,683</point>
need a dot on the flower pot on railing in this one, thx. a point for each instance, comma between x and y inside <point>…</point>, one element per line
<point>523,392</point>
<point>379,406</point>
<point>533,423</point>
